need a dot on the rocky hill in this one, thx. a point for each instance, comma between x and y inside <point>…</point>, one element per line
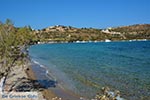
<point>138,31</point>
<point>133,28</point>
<point>60,33</point>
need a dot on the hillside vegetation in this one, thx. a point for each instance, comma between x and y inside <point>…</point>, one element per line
<point>139,31</point>
<point>61,33</point>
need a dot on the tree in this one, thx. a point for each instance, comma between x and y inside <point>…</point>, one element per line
<point>11,47</point>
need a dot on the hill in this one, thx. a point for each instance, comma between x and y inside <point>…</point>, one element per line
<point>60,33</point>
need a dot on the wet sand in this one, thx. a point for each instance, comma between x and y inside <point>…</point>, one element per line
<point>52,91</point>
<point>47,94</point>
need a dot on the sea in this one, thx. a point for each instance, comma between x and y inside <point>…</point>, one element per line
<point>84,68</point>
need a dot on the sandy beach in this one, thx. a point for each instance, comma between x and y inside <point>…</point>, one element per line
<point>22,81</point>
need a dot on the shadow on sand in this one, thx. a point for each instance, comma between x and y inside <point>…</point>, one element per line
<point>26,85</point>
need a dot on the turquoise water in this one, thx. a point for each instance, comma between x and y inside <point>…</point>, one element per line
<point>86,67</point>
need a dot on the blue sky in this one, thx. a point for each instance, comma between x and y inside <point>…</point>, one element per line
<point>78,13</point>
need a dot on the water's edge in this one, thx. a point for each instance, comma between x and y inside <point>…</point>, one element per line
<point>42,72</point>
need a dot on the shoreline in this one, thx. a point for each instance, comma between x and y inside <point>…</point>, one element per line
<point>47,94</point>
<point>22,82</point>
<point>56,91</point>
<point>23,79</point>
<point>60,93</point>
<point>107,40</point>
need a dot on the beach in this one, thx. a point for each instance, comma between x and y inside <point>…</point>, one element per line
<point>23,82</point>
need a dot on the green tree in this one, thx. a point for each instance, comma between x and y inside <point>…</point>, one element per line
<point>12,42</point>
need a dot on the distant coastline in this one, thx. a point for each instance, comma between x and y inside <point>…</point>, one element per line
<point>93,41</point>
<point>60,33</point>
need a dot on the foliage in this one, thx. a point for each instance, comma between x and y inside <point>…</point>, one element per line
<point>12,42</point>
<point>138,31</point>
<point>71,34</point>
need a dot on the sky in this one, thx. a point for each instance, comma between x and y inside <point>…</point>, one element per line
<point>77,13</point>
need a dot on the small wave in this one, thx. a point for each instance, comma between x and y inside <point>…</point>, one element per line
<point>47,74</point>
<point>53,74</point>
<point>42,66</point>
<point>35,62</point>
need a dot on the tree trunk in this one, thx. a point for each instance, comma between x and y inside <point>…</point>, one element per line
<point>3,79</point>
